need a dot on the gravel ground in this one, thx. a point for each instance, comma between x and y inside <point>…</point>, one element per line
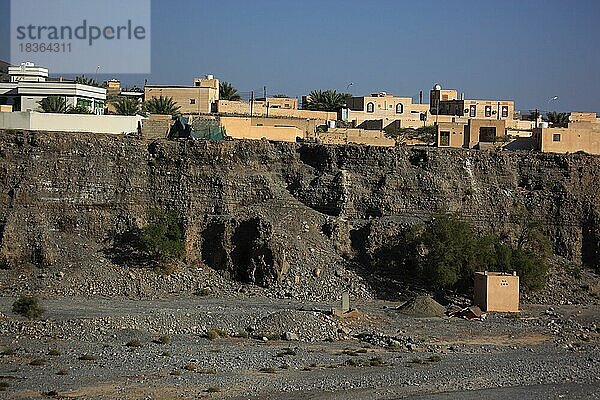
<point>377,353</point>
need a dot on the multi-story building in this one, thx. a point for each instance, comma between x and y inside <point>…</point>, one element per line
<point>198,99</point>
<point>447,102</point>
<point>29,84</point>
<point>381,111</point>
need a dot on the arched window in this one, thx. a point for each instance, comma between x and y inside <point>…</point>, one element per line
<point>399,108</point>
<point>370,107</point>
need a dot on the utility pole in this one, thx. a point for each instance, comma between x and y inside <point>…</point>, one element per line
<point>265,93</point>
<point>251,104</point>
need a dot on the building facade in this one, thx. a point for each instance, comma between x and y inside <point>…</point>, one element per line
<point>29,84</point>
<point>447,102</point>
<point>496,291</point>
<point>475,133</point>
<point>198,99</point>
<point>381,111</point>
<point>582,134</point>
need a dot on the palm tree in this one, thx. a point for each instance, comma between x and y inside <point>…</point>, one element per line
<point>326,100</point>
<point>530,116</point>
<point>82,79</point>
<point>228,92</point>
<point>161,105</point>
<point>558,119</point>
<point>127,106</point>
<point>53,104</point>
<point>78,110</point>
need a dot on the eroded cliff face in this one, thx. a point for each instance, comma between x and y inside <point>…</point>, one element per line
<point>261,211</point>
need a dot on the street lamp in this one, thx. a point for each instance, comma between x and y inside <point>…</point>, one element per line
<point>348,87</point>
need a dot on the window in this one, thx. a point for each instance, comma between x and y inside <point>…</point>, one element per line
<point>487,134</point>
<point>488,111</point>
<point>445,138</point>
<point>399,108</point>
<point>473,111</point>
<point>370,107</point>
<point>192,101</point>
<point>504,111</point>
<point>556,137</point>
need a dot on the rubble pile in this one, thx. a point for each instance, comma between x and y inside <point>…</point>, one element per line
<point>423,306</point>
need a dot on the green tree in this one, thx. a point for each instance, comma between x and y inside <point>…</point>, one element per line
<point>78,110</point>
<point>228,92</point>
<point>445,252</point>
<point>53,104</point>
<point>530,116</point>
<point>326,100</point>
<point>162,238</point>
<point>83,80</point>
<point>558,119</point>
<point>450,253</point>
<point>127,106</point>
<point>161,105</point>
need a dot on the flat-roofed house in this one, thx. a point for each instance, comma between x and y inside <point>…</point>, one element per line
<point>198,99</point>
<point>29,84</point>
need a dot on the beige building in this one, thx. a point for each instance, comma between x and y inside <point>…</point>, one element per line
<point>476,133</point>
<point>198,99</point>
<point>381,111</point>
<point>582,134</point>
<point>447,102</point>
<point>497,291</point>
<point>113,87</point>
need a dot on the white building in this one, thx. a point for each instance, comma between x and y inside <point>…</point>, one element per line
<point>29,84</point>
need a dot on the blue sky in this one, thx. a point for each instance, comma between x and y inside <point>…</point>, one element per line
<point>527,50</point>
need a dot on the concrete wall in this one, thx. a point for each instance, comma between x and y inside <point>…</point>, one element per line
<point>115,124</point>
<point>242,128</point>
<point>308,126</point>
<point>583,117</point>
<point>290,103</point>
<point>495,291</point>
<point>358,136</point>
<point>156,126</point>
<point>579,136</point>
<point>259,108</point>
<point>518,124</point>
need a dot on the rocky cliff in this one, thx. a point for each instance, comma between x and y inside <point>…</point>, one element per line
<point>275,213</point>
